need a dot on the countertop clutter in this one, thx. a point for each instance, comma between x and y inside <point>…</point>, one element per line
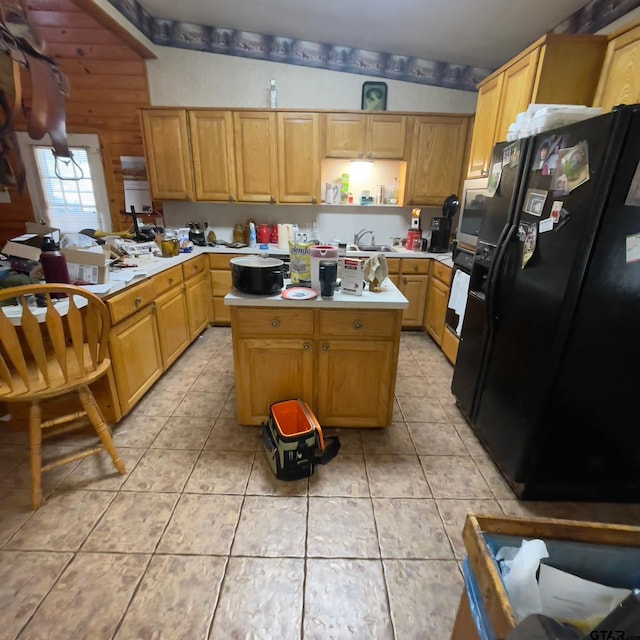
<point>148,266</point>
<point>388,298</point>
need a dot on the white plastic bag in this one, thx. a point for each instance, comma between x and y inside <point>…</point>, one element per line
<point>520,581</point>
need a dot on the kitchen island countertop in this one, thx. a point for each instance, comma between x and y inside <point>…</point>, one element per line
<point>389,298</point>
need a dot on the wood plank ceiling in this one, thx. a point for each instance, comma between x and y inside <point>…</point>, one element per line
<point>108,84</point>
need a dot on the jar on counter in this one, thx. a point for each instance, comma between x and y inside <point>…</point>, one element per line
<point>170,245</point>
<point>238,233</point>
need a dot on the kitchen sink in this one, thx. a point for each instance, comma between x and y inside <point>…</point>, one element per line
<point>370,247</point>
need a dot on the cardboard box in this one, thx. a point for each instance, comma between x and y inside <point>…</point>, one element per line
<point>28,245</point>
<point>88,265</point>
<point>353,276</point>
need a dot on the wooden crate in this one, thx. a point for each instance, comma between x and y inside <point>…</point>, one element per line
<point>493,596</point>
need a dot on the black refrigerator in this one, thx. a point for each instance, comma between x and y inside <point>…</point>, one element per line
<point>549,360</point>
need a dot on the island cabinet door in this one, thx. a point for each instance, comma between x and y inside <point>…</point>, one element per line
<point>355,383</point>
<point>269,370</point>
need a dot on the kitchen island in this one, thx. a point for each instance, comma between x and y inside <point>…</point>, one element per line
<point>339,355</point>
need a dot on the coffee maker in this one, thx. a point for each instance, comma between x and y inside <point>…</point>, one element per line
<point>441,226</point>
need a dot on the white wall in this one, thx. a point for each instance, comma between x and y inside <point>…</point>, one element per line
<point>195,79</point>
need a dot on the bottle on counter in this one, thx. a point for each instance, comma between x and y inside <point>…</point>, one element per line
<point>273,95</point>
<point>54,264</point>
<point>252,235</point>
<point>393,193</point>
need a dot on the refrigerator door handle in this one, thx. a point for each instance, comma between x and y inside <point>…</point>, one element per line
<point>496,273</point>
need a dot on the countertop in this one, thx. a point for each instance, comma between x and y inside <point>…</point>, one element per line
<point>148,266</point>
<point>389,298</point>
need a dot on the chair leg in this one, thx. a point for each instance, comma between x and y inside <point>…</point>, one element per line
<point>90,405</point>
<point>35,454</point>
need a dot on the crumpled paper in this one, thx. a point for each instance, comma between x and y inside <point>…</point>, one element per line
<point>375,271</point>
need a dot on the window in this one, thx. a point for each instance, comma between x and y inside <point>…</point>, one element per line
<point>69,195</point>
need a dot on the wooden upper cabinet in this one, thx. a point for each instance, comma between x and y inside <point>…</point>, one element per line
<point>620,79</point>
<point>213,155</point>
<point>345,135</point>
<point>485,129</point>
<point>256,155</point>
<point>516,94</point>
<point>435,167</point>
<point>366,136</point>
<point>166,145</point>
<point>556,69</point>
<point>298,157</point>
<point>386,136</point>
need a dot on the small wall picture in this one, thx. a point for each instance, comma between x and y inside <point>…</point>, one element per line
<point>374,96</point>
<point>534,202</point>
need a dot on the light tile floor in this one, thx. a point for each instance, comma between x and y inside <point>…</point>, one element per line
<point>198,540</point>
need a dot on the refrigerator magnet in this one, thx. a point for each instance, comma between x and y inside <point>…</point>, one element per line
<point>633,248</point>
<point>494,179</point>
<point>556,207</point>
<point>633,195</point>
<point>575,164</point>
<point>547,154</point>
<point>511,155</point>
<point>529,244</point>
<point>546,225</point>
<point>534,201</point>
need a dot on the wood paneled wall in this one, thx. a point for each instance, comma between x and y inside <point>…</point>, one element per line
<point>108,84</point>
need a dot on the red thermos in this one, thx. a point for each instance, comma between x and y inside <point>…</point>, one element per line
<point>54,264</point>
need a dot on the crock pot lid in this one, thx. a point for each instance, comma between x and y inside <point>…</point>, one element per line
<point>256,261</point>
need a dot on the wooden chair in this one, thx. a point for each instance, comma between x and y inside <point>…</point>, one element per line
<point>50,350</point>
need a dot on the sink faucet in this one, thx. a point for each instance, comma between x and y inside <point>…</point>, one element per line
<point>357,238</point>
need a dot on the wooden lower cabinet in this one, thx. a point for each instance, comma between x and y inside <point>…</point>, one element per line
<point>198,296</point>
<point>436,309</point>
<point>220,276</point>
<point>414,289</point>
<point>173,327</point>
<point>271,369</point>
<point>353,383</point>
<point>342,362</point>
<point>449,346</point>
<point>135,356</point>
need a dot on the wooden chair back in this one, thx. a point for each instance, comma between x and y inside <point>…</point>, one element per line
<point>57,345</point>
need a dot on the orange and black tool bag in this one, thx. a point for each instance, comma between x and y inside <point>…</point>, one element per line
<point>293,440</point>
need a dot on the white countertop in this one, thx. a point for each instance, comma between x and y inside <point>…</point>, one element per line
<point>152,265</point>
<point>389,298</point>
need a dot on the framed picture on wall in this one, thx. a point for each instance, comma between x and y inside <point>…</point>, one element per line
<point>374,96</point>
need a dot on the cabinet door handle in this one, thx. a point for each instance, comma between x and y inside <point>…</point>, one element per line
<point>170,280</point>
<point>313,200</point>
<point>306,346</point>
<point>360,155</point>
<point>231,198</point>
<point>138,301</point>
<point>272,200</point>
<point>484,173</point>
<point>275,323</point>
<point>357,325</point>
<point>325,346</point>
<point>369,154</point>
<point>404,280</point>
